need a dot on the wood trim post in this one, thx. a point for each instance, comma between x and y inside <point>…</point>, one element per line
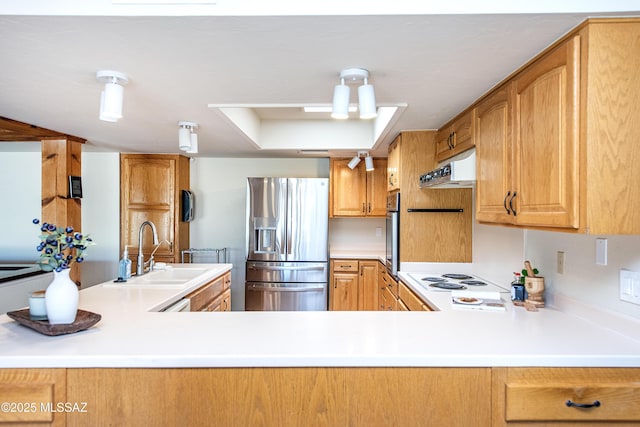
<point>60,159</point>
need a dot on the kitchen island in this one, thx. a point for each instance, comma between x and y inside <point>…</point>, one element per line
<point>306,368</point>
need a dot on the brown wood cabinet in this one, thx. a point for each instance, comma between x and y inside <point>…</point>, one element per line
<point>393,167</point>
<point>150,189</point>
<point>30,397</point>
<point>410,300</point>
<point>421,231</point>
<point>353,285</point>
<point>356,192</point>
<point>555,143</point>
<point>325,396</point>
<point>455,137</point>
<point>539,396</point>
<point>212,296</point>
<point>387,290</point>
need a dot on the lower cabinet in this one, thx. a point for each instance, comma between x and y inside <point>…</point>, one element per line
<point>212,296</point>
<point>353,285</point>
<point>387,290</point>
<point>282,397</point>
<point>409,301</point>
<point>31,397</point>
<point>371,396</point>
<point>566,396</point>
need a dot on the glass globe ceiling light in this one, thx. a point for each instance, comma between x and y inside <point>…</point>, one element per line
<point>111,98</point>
<point>366,95</point>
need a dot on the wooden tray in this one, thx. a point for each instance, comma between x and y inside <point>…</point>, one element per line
<point>84,320</point>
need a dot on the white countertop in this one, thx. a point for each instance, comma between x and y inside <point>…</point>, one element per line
<point>131,334</point>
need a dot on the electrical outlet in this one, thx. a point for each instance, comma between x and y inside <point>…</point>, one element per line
<point>630,286</point>
<point>560,262</point>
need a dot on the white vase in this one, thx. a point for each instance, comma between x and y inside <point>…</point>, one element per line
<point>61,299</point>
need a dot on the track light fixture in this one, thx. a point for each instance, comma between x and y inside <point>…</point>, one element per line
<point>187,138</point>
<point>111,97</point>
<point>368,161</point>
<point>366,95</point>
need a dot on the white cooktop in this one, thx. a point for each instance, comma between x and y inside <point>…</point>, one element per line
<point>455,281</point>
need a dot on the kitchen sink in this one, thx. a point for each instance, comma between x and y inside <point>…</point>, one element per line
<point>171,277</point>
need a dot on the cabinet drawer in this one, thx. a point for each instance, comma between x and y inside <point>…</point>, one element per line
<point>411,300</point>
<point>391,283</point>
<point>617,402</point>
<point>202,297</point>
<point>345,265</point>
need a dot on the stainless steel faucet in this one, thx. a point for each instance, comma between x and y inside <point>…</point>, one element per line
<point>141,263</point>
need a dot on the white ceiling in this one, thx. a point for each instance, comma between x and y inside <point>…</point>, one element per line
<point>436,64</point>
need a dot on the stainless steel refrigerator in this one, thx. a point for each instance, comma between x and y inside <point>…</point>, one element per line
<point>287,244</point>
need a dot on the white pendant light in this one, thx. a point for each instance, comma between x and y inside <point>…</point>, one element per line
<point>340,101</point>
<point>368,162</point>
<point>194,144</point>
<point>366,96</point>
<point>354,162</point>
<point>367,101</point>
<point>186,133</point>
<point>111,98</point>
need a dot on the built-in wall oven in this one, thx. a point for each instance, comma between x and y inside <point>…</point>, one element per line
<point>393,234</point>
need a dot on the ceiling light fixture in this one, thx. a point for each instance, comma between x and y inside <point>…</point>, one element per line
<point>355,161</point>
<point>368,162</point>
<point>111,97</point>
<point>187,138</point>
<point>366,95</point>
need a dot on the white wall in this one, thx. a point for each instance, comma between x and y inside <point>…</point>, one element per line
<point>21,177</point>
<point>357,234</point>
<point>220,186</point>
<point>101,216</point>
<point>499,251</point>
<point>583,279</point>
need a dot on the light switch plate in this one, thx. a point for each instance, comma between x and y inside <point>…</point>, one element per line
<point>630,286</point>
<point>601,251</point>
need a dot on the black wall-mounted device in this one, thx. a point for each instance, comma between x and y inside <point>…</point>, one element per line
<point>188,205</point>
<point>75,187</point>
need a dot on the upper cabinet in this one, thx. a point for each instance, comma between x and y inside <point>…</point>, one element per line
<point>556,141</point>
<point>527,144</point>
<point>393,167</point>
<point>455,137</point>
<point>356,192</point>
<point>150,189</point>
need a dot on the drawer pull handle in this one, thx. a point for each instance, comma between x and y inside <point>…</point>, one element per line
<point>570,404</point>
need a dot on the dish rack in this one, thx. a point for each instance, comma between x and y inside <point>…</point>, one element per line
<point>205,256</point>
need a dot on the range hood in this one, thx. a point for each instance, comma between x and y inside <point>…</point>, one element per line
<point>456,172</point>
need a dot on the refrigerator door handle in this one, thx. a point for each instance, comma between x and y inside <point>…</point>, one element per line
<point>285,289</point>
<point>285,268</point>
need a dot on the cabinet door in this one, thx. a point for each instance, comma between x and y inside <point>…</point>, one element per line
<point>377,189</point>
<point>348,189</point>
<point>344,292</point>
<point>443,144</point>
<point>456,137</point>
<point>546,126</point>
<point>150,187</point>
<point>368,286</point>
<point>494,162</point>
<point>393,166</point>
<point>462,132</point>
